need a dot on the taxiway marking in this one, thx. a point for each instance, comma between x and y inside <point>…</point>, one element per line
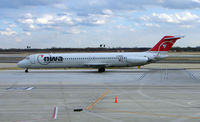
<point>97,100</point>
<point>55,113</point>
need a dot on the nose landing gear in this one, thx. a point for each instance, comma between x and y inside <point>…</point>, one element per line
<point>102,69</point>
<point>26,70</point>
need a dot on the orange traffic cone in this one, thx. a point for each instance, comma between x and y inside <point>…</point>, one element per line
<point>116,99</point>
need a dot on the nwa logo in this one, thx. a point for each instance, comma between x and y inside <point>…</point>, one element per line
<point>165,46</point>
<point>46,59</point>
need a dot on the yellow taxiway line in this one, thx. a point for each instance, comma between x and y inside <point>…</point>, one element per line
<point>97,100</point>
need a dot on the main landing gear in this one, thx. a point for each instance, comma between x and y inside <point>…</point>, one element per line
<point>26,70</point>
<point>102,69</point>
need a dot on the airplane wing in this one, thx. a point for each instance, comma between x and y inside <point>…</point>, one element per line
<point>97,65</point>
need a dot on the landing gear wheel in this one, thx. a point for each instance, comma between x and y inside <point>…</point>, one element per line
<point>26,70</point>
<point>102,69</point>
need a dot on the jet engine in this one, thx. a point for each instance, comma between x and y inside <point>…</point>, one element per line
<point>138,60</point>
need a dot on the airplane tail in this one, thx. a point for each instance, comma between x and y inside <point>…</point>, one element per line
<point>165,43</point>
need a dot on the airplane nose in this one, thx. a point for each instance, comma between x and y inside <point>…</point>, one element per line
<point>21,64</point>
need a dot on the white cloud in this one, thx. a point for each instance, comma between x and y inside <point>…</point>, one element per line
<point>27,33</point>
<point>97,19</point>
<point>75,31</point>
<point>31,26</point>
<point>107,11</point>
<point>8,32</point>
<point>12,26</point>
<point>180,4</point>
<point>97,16</point>
<point>186,26</point>
<point>26,21</point>
<point>99,22</point>
<point>152,25</point>
<point>131,29</point>
<point>145,18</point>
<point>78,19</point>
<point>64,19</point>
<point>171,18</point>
<point>187,16</point>
<point>28,15</point>
<point>120,27</point>
<point>60,6</point>
<point>197,1</point>
<point>46,19</point>
<point>58,21</point>
<point>166,18</point>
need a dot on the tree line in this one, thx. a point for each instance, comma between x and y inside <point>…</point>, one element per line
<point>100,49</point>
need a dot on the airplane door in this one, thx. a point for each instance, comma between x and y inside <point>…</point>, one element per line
<point>32,59</point>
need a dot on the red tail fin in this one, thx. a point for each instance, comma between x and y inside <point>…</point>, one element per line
<point>165,43</point>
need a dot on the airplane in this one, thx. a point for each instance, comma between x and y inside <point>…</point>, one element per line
<point>100,60</point>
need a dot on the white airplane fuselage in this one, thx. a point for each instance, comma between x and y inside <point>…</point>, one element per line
<point>100,60</point>
<point>80,60</point>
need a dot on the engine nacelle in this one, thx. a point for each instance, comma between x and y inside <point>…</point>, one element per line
<point>138,60</point>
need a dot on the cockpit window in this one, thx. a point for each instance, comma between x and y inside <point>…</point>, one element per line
<point>27,57</point>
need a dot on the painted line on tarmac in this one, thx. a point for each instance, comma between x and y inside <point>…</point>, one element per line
<point>29,88</point>
<point>191,75</point>
<point>55,113</point>
<point>97,100</point>
<point>148,113</point>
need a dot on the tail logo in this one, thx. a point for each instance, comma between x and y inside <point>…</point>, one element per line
<point>164,45</point>
<point>42,56</point>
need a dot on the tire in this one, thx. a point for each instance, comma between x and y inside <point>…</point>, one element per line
<point>26,70</point>
<point>102,69</point>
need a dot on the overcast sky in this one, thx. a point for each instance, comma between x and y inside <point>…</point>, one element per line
<point>88,23</point>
